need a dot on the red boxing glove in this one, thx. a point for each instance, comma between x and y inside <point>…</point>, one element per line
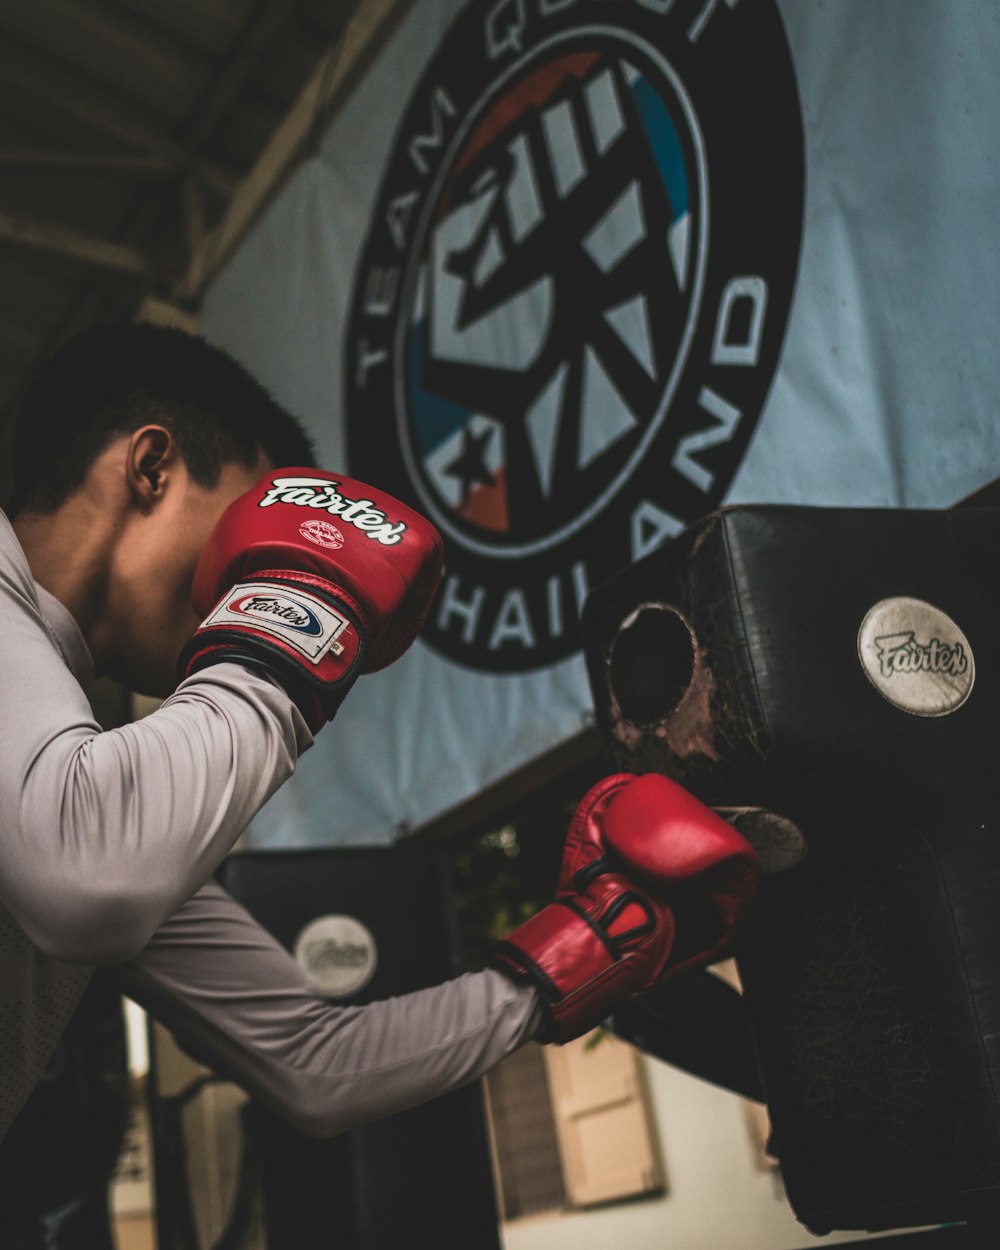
<point>652,882</point>
<point>315,577</point>
<point>660,834</point>
<point>603,938</point>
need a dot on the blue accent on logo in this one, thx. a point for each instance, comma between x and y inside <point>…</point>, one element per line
<point>666,146</point>
<point>435,420</point>
<point>312,626</point>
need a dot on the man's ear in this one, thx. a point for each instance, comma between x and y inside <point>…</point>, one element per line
<point>151,455</point>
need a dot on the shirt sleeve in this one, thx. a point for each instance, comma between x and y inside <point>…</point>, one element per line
<point>238,1002</point>
<point>106,834</point>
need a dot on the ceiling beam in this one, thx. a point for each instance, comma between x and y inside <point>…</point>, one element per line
<point>75,96</point>
<point>73,163</point>
<point>56,88</point>
<point>99,253</point>
<point>16,343</point>
<point>336,73</point>
<point>256,39</point>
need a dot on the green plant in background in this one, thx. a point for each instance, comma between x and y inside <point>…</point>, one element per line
<point>500,881</point>
<point>507,871</point>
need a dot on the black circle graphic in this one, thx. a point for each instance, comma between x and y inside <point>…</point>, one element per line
<point>572,297</point>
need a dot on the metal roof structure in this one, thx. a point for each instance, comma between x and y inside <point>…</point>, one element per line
<point>138,140</point>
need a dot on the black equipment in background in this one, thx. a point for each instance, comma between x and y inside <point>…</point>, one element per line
<point>834,675</point>
<point>423,1175</point>
<point>58,1157</point>
<point>697,1023</point>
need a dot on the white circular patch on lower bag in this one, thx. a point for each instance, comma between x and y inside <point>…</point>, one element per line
<point>338,955</point>
<point>916,656</point>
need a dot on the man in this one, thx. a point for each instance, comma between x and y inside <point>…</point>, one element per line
<point>149,472</point>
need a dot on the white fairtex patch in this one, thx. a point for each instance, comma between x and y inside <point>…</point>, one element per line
<point>299,619</point>
<point>338,954</point>
<point>916,656</point>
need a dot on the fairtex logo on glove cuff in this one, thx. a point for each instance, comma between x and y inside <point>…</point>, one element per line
<point>301,621</point>
<point>292,615</point>
<point>320,492</point>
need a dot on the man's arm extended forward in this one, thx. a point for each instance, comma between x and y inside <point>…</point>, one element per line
<point>240,1003</point>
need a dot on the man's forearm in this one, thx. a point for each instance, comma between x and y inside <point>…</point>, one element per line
<point>240,1003</point>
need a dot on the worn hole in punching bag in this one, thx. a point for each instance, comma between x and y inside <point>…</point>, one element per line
<point>651,664</point>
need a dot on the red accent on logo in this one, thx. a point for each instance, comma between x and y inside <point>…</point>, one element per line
<point>322,533</point>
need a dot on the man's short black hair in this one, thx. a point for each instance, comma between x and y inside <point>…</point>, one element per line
<point>113,379</point>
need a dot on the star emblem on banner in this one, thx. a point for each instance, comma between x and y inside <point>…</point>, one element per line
<point>469,467</point>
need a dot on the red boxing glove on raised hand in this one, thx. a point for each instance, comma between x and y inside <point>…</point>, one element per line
<point>315,577</point>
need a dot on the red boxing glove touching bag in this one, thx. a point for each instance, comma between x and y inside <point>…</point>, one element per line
<point>316,578</point>
<point>652,882</point>
<point>665,838</point>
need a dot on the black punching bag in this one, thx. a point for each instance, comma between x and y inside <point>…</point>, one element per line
<point>833,673</point>
<point>370,923</point>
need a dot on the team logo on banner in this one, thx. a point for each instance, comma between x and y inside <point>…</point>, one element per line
<point>572,298</point>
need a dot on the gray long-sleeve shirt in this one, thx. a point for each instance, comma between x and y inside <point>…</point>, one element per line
<point>107,844</point>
